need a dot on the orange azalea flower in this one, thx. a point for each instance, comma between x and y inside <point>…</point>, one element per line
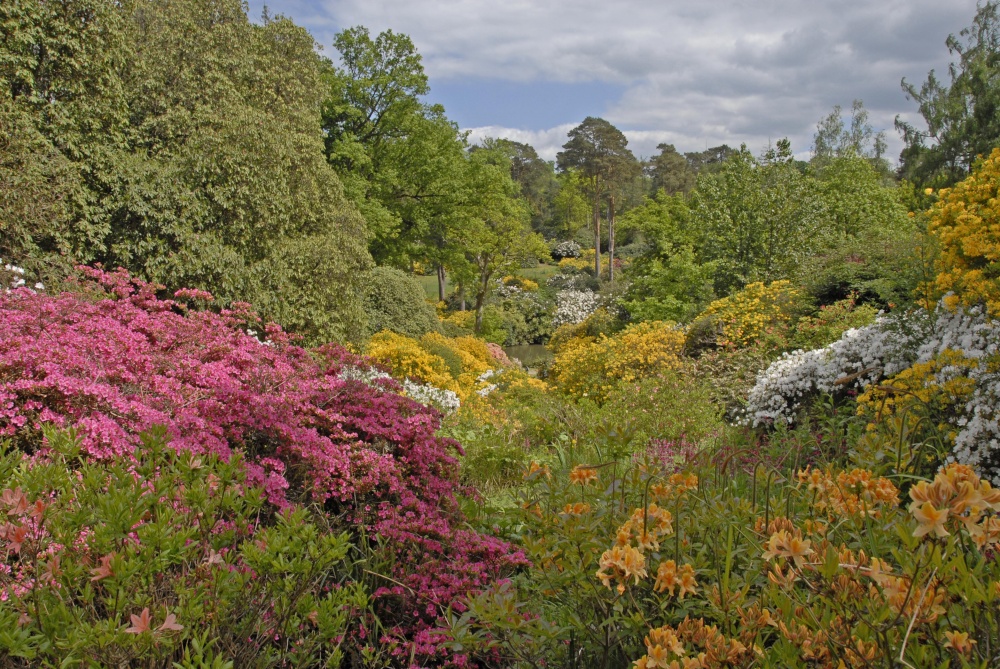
<point>140,623</point>
<point>583,475</point>
<point>687,582</point>
<point>959,641</point>
<point>931,520</point>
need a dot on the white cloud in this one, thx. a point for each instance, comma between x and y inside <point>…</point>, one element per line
<point>701,73</point>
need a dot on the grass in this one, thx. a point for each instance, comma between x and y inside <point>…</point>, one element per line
<point>539,274</point>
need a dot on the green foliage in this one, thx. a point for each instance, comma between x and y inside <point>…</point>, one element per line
<point>182,142</point>
<point>175,544</point>
<point>394,301</point>
<point>749,216</point>
<point>670,406</point>
<point>961,116</point>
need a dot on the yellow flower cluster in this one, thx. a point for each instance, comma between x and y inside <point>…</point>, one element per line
<point>420,360</point>
<point>676,485</point>
<point>854,493</point>
<point>919,386</point>
<point>521,282</point>
<point>743,317</point>
<point>966,222</point>
<point>667,648</point>
<point>593,369</point>
<point>956,497</point>
<point>406,358</point>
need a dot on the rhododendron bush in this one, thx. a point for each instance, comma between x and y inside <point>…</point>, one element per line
<point>114,360</point>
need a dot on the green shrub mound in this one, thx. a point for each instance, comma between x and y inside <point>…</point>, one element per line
<point>394,301</point>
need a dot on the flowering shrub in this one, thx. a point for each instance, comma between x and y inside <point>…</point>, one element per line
<point>745,317</point>
<point>712,569</point>
<point>162,557</point>
<point>573,306</point>
<point>965,220</point>
<point>409,360</point>
<point>567,249</point>
<point>521,283</point>
<point>594,368</point>
<point>114,361</point>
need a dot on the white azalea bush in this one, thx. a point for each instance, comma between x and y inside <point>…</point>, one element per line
<point>952,352</point>
<point>573,306</point>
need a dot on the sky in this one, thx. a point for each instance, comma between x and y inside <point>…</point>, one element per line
<point>691,74</point>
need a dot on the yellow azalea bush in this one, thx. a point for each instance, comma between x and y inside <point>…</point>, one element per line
<point>521,282</point>
<point>965,221</point>
<point>594,368</point>
<point>746,316</point>
<point>406,358</point>
<point>454,364</point>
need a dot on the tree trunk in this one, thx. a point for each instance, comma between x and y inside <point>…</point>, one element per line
<point>611,239</point>
<point>441,280</point>
<point>481,303</point>
<point>461,296</point>
<point>597,234</point>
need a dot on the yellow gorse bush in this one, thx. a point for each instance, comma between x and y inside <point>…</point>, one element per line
<point>966,222</point>
<point>593,369</point>
<point>744,317</point>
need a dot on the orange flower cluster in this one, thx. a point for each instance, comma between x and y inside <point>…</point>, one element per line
<point>956,494</point>
<point>535,470</point>
<point>853,493</point>
<point>677,485</point>
<point>577,509</point>
<point>668,578</point>
<point>815,645</point>
<point>621,563</point>
<point>583,475</point>
<point>646,527</point>
<point>667,648</point>
<point>788,545</point>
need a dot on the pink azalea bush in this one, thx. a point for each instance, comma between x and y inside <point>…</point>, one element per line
<point>115,360</point>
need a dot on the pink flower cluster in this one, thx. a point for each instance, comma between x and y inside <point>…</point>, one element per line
<point>114,359</point>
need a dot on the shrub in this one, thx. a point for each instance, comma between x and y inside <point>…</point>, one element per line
<point>114,360</point>
<point>574,306</point>
<point>395,301</point>
<point>594,368</point>
<point>667,406</point>
<point>407,359</point>
<point>566,249</point>
<point>965,221</point>
<point>718,568</point>
<point>179,545</point>
<point>747,316</point>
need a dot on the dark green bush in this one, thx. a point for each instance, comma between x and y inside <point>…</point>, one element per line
<point>395,301</point>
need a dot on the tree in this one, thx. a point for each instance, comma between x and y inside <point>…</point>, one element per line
<point>494,231</point>
<point>749,218</point>
<point>962,118</point>
<point>670,171</point>
<point>182,142</point>
<point>599,152</point>
<point>570,209</point>
<point>834,140</point>
<point>536,177</point>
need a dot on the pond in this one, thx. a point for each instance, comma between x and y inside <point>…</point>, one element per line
<point>529,355</point>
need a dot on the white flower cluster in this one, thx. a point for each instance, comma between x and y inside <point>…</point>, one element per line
<point>366,375</point>
<point>860,357</point>
<point>885,348</point>
<point>445,400</point>
<point>484,378</point>
<point>14,277</point>
<point>573,306</point>
<point>568,249</point>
